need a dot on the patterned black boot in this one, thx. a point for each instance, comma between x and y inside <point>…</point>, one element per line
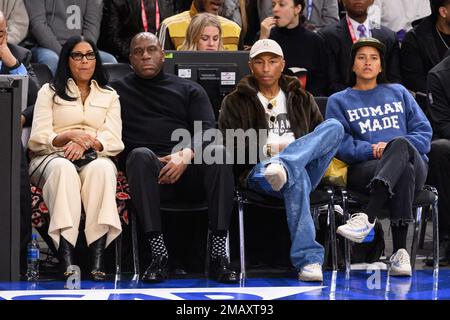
<point>158,269</point>
<point>220,269</point>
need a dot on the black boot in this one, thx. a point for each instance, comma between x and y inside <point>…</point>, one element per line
<point>65,256</point>
<point>96,249</point>
<point>157,271</point>
<point>221,271</point>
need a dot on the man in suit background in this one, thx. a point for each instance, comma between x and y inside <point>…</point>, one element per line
<point>320,13</point>
<point>340,37</point>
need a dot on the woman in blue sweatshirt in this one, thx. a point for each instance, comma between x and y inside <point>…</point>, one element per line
<point>387,137</point>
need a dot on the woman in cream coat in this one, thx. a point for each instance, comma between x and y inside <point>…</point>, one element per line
<point>74,113</point>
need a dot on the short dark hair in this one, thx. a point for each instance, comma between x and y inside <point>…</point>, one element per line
<point>59,82</point>
<point>351,77</point>
<point>301,2</point>
<point>436,4</point>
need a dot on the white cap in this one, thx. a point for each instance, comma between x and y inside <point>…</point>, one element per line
<point>265,45</point>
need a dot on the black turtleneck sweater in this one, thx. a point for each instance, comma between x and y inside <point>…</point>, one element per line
<point>154,108</point>
<point>304,49</point>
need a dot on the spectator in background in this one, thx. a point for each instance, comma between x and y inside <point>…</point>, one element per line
<point>123,19</point>
<point>438,82</point>
<point>203,34</point>
<point>425,46</point>
<point>53,22</point>
<point>255,15</point>
<point>9,53</point>
<point>17,17</point>
<point>173,29</point>
<point>340,37</point>
<point>302,48</point>
<point>398,15</point>
<point>320,13</point>
<point>77,112</point>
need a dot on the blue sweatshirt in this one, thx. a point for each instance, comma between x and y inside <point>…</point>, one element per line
<point>378,115</point>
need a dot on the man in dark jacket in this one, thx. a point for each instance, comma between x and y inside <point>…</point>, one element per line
<point>155,106</point>
<point>293,148</point>
<point>439,167</point>
<point>425,46</point>
<point>340,37</point>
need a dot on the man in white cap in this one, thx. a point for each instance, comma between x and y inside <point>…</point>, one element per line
<point>294,146</point>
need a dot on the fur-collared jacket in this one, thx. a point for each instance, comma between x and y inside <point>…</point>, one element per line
<point>242,109</point>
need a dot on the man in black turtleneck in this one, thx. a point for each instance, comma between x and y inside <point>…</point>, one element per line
<point>154,105</point>
<point>340,37</point>
<point>302,48</point>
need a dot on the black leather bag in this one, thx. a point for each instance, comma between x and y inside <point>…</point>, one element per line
<point>88,156</point>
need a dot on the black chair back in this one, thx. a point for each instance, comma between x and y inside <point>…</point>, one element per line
<point>322,104</point>
<point>117,71</point>
<point>43,73</point>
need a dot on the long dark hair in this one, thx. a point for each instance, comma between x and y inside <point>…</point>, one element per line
<point>351,77</point>
<point>59,82</point>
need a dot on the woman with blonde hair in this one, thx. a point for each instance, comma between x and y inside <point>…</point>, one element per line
<point>203,34</point>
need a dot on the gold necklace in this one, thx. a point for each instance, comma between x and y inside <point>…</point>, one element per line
<point>270,98</point>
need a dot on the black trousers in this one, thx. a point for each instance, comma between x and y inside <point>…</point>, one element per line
<point>213,181</point>
<point>439,177</point>
<point>401,169</point>
<point>25,211</point>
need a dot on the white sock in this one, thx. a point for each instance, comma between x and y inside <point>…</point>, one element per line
<point>276,175</point>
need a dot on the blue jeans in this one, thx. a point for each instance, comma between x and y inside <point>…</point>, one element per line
<point>50,57</point>
<point>305,160</point>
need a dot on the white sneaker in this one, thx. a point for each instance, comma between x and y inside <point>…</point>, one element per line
<point>311,272</point>
<point>275,174</point>
<point>400,264</point>
<point>357,229</point>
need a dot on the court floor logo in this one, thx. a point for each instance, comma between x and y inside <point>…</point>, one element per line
<point>255,293</point>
